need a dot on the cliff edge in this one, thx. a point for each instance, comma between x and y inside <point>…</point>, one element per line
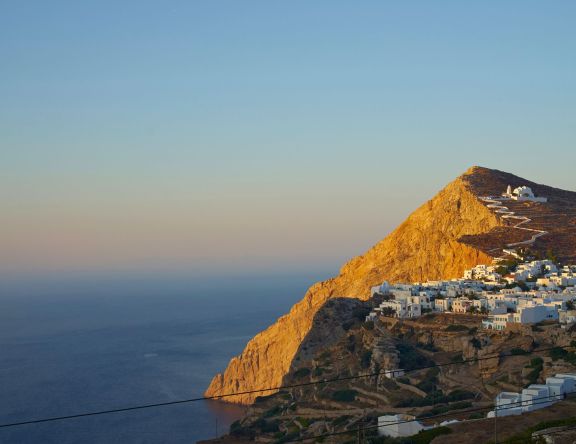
<point>426,246</point>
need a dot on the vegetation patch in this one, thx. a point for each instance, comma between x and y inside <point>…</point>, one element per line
<point>526,435</point>
<point>344,395</point>
<point>561,353</point>
<point>274,411</point>
<point>430,380</point>
<point>456,327</point>
<point>428,347</point>
<point>340,420</point>
<point>436,397</point>
<point>301,373</point>
<point>445,408</point>
<point>518,351</point>
<point>410,358</point>
<point>423,437</point>
<point>365,359</point>
<point>537,364</point>
<point>368,325</point>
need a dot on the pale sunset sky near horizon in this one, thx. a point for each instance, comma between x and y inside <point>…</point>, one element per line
<point>216,137</point>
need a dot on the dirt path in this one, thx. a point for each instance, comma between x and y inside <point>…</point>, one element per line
<point>496,205</point>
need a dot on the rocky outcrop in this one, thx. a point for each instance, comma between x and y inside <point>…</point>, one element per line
<point>426,246</point>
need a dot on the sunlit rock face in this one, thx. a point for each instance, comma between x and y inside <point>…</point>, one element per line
<point>448,234</point>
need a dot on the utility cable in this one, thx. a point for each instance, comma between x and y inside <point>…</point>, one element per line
<point>441,415</point>
<point>269,389</point>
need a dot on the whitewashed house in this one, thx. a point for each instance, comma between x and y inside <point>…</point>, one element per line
<point>461,305</point>
<point>393,374</point>
<point>398,425</point>
<point>536,396</point>
<point>442,305</point>
<point>404,308</point>
<point>559,386</point>
<point>508,404</point>
<point>567,317</point>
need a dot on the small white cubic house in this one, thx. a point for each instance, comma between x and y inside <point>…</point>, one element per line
<point>509,404</point>
<point>535,396</point>
<point>392,374</point>
<point>398,425</point>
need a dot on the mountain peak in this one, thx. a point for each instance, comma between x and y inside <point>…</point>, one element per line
<point>456,230</point>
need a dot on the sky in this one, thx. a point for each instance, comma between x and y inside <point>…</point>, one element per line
<point>216,137</point>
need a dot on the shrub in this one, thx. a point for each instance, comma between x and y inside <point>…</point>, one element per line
<point>304,422</point>
<point>365,359</point>
<point>422,437</point>
<point>273,411</point>
<point>436,397</point>
<point>410,358</point>
<point>456,327</point>
<point>430,380</point>
<point>428,347</point>
<point>536,362</point>
<point>369,325</point>
<point>347,325</point>
<point>557,353</point>
<point>446,408</point>
<point>239,431</point>
<point>457,358</point>
<point>341,420</point>
<point>518,351</point>
<point>267,426</point>
<point>360,313</point>
<point>344,395</point>
<point>301,373</point>
<point>526,435</point>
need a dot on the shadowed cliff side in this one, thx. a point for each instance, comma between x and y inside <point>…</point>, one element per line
<point>424,247</point>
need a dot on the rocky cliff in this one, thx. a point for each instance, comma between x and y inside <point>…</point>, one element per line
<point>426,246</point>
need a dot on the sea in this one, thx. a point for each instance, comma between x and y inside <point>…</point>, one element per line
<point>78,344</point>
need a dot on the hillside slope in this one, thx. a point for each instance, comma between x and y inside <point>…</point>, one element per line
<point>427,246</point>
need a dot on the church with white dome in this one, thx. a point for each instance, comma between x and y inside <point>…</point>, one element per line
<point>523,193</point>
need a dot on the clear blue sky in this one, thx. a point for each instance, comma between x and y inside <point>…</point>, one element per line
<point>264,135</point>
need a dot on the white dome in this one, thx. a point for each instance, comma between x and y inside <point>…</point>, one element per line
<point>524,191</point>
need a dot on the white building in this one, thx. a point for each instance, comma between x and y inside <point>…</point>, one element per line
<point>482,272</point>
<point>523,193</point>
<point>531,314</point>
<point>535,396</point>
<point>559,386</point>
<point>393,374</point>
<point>380,289</point>
<point>461,305</point>
<point>508,404</point>
<point>442,305</point>
<point>567,317</point>
<point>398,425</point>
<point>404,308</point>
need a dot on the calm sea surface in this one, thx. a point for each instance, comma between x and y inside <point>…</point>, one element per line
<point>80,345</point>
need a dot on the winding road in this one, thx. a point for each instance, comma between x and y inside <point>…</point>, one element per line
<point>496,205</point>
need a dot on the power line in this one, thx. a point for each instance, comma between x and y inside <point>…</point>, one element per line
<point>441,415</point>
<point>247,392</point>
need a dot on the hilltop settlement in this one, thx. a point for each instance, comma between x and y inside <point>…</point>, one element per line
<point>424,357</point>
<point>509,293</point>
